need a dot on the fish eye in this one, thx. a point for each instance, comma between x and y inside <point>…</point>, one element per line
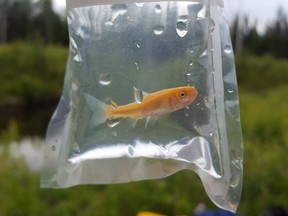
<point>182,94</point>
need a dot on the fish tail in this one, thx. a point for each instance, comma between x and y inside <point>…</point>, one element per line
<point>99,110</point>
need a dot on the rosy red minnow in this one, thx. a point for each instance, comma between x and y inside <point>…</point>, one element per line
<point>152,105</point>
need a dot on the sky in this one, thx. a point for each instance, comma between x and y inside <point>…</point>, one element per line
<point>264,11</point>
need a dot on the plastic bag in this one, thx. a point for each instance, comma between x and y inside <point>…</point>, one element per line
<point>120,51</point>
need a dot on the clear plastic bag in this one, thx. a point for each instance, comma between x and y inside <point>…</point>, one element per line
<point>120,51</point>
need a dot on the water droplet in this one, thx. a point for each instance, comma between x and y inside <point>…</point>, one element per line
<point>228,48</point>
<point>136,65</point>
<point>137,45</point>
<point>130,150</point>
<point>74,86</point>
<point>113,122</point>
<point>105,79</point>
<point>188,73</point>
<point>186,111</point>
<point>191,62</point>
<point>76,149</point>
<point>53,148</point>
<point>181,28</point>
<point>77,58</point>
<point>139,4</point>
<point>118,10</point>
<point>234,179</point>
<point>183,18</point>
<point>158,9</point>
<point>230,91</point>
<point>158,30</point>
<point>109,23</point>
<point>202,13</point>
<point>138,95</point>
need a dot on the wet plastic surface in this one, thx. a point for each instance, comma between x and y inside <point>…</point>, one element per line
<point>117,53</point>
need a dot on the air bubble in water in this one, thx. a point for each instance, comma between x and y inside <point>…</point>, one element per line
<point>186,111</point>
<point>138,95</point>
<point>181,28</point>
<point>157,9</point>
<point>158,30</point>
<point>118,10</point>
<point>105,79</point>
<point>228,48</point>
<point>113,122</point>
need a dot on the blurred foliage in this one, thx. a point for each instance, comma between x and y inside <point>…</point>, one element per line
<point>29,20</point>
<point>37,71</point>
<point>30,71</point>
<point>273,41</point>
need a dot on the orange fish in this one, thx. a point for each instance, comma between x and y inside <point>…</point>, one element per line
<point>152,105</point>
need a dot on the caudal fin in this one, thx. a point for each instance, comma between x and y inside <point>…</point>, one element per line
<point>99,110</point>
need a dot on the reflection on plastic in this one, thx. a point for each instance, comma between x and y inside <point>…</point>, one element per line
<point>116,52</point>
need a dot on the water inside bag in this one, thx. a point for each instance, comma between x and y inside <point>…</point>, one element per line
<point>118,54</point>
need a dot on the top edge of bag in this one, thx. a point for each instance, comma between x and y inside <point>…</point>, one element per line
<point>70,4</point>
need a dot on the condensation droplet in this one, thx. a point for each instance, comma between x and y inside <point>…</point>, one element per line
<point>228,48</point>
<point>191,62</point>
<point>105,79</point>
<point>230,91</point>
<point>188,73</point>
<point>186,111</point>
<point>113,122</point>
<point>158,30</point>
<point>157,9</point>
<point>139,4</point>
<point>53,148</point>
<point>181,28</point>
<point>138,95</point>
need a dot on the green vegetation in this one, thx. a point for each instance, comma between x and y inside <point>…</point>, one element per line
<point>31,71</point>
<point>35,71</point>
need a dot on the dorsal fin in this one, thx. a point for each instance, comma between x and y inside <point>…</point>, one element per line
<point>139,95</point>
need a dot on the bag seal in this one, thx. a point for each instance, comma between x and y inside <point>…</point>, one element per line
<point>70,4</point>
